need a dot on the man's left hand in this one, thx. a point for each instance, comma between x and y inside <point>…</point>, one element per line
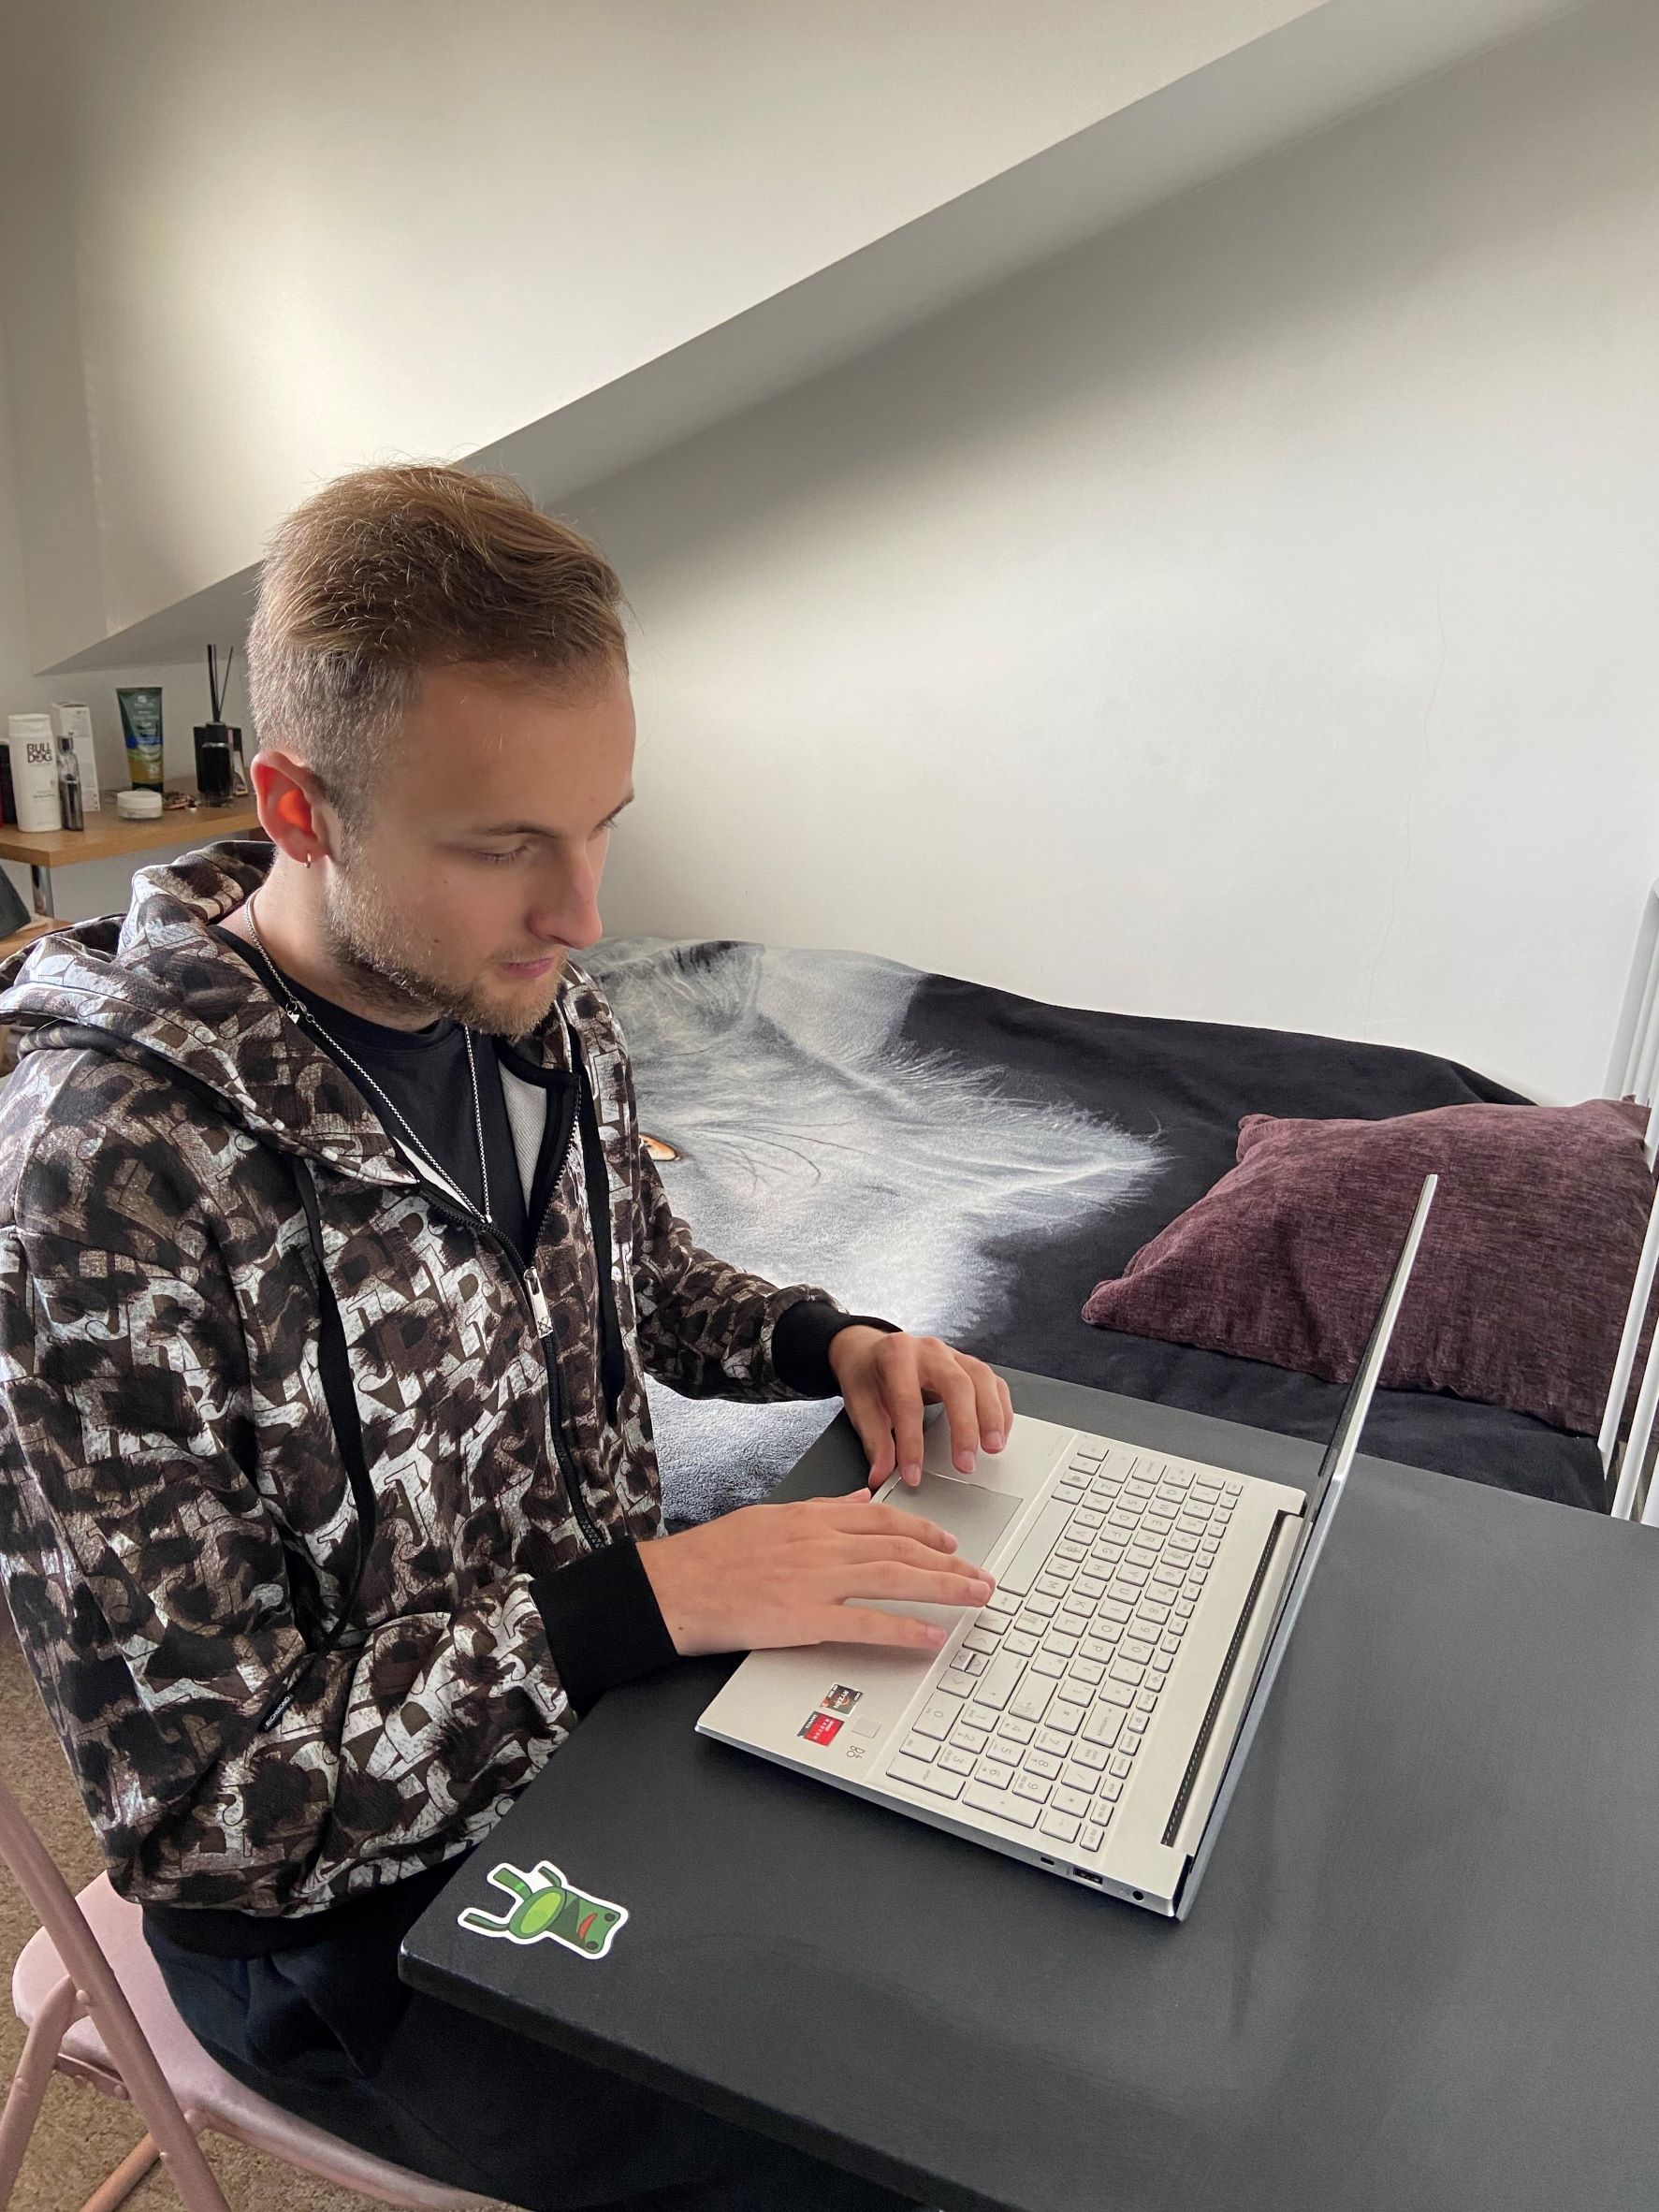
<point>886,1379</point>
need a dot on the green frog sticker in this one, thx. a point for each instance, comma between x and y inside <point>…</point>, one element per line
<point>546,1905</point>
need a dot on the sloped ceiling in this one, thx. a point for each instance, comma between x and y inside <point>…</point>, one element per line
<point>549,239</point>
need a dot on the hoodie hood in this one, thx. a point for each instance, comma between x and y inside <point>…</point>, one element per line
<point>157,983</point>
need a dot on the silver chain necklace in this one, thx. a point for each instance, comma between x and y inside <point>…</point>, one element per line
<point>296,1012</point>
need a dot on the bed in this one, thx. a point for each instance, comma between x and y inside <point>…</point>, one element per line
<point>970,1163</point>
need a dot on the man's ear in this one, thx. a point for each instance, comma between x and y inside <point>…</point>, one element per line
<point>290,802</point>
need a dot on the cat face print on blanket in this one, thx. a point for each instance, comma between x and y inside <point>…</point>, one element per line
<point>799,1134</point>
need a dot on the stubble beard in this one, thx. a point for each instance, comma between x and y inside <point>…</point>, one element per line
<point>368,944</point>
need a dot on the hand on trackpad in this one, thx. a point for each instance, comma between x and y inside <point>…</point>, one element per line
<point>975,1516</point>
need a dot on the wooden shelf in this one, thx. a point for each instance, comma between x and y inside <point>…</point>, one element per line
<point>107,837</point>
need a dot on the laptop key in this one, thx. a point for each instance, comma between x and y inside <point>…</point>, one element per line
<point>1022,1643</point>
<point>972,1739</point>
<point>939,1715</point>
<point>1065,1717</point>
<point>955,1759</point>
<point>1016,1730</point>
<point>1121,1670</point>
<point>1040,1762</point>
<point>995,1685</point>
<point>979,1639</point>
<point>1031,1787</point>
<point>957,1682</point>
<point>919,1747</point>
<point>1048,1667</point>
<point>1093,1835</point>
<point>1090,1756</point>
<point>1030,1701</point>
<point>1038,1541</point>
<point>1004,1803</point>
<point>939,1782</point>
<point>899,1769</point>
<point>1103,1727</point>
<point>1070,1801</point>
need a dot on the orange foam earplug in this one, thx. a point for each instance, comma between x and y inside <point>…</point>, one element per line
<point>294,810</point>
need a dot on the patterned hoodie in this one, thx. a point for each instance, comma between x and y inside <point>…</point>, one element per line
<point>293,1446</point>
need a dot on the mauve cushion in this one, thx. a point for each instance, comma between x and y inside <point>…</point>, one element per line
<point>1519,1289</point>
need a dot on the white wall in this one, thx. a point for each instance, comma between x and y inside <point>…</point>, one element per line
<point>100,886</point>
<point>1251,616</point>
<point>253,245</point>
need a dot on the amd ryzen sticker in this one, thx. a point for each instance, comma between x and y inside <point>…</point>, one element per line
<point>841,1700</point>
<point>823,1727</point>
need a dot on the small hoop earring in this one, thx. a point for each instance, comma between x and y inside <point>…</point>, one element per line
<point>308,860</point>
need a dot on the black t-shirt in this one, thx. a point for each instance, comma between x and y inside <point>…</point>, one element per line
<point>424,1074</point>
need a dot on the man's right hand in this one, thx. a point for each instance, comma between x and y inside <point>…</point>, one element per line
<point>767,1576</point>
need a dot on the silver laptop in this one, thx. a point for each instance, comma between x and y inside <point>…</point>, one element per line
<point>1094,1716</point>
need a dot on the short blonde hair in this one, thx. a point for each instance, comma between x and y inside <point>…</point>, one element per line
<point>388,572</point>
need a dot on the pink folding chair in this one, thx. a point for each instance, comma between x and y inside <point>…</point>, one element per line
<point>91,1998</point>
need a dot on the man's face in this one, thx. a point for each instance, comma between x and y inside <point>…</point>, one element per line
<point>479,866</point>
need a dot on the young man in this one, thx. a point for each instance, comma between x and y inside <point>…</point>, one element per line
<point>331,1261</point>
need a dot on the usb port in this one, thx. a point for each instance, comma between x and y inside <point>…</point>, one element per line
<point>1082,1874</point>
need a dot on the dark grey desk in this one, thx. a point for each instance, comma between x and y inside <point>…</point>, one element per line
<point>1422,1975</point>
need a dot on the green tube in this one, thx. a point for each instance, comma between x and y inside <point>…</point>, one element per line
<point>140,725</point>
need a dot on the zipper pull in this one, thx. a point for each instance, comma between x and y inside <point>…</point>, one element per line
<point>538,1302</point>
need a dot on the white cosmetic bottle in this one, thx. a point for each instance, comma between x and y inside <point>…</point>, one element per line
<point>33,749</point>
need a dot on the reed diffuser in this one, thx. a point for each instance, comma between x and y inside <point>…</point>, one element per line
<point>215,756</point>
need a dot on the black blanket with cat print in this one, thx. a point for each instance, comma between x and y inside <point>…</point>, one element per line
<point>971,1163</point>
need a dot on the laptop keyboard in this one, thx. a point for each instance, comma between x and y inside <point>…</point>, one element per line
<point>1046,1703</point>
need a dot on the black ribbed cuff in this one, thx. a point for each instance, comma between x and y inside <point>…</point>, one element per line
<point>801,1343</point>
<point>603,1623</point>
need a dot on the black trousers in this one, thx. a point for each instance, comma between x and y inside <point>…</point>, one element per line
<point>327,2031</point>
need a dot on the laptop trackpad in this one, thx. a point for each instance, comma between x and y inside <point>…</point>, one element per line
<point>975,1516</point>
